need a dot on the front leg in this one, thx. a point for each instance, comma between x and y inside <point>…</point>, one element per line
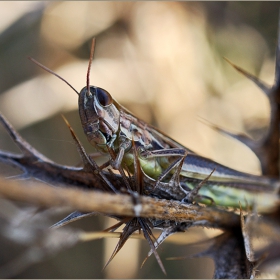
<point>116,157</point>
<point>124,145</point>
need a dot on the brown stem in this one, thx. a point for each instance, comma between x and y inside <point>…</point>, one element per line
<point>117,204</point>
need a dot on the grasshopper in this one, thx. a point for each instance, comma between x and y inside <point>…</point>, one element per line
<point>109,126</point>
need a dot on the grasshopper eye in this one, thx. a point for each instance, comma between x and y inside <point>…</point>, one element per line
<point>104,97</point>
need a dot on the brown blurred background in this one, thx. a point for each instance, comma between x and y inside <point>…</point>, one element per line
<point>161,60</point>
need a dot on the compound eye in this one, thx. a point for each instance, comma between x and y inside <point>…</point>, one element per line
<point>104,97</point>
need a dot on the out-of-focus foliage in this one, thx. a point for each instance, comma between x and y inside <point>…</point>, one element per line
<point>164,62</point>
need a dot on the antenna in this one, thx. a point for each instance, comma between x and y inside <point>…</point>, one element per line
<point>89,65</point>
<point>50,71</point>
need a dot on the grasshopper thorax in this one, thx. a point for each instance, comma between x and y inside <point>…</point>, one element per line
<point>99,116</point>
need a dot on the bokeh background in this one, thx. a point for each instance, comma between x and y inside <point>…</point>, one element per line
<point>161,60</point>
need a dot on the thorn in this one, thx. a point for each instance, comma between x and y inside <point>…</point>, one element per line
<point>194,193</point>
<point>129,228</point>
<point>264,87</point>
<point>177,165</point>
<point>165,233</point>
<point>89,164</point>
<point>24,146</point>
<point>114,227</point>
<point>153,245</point>
<point>243,138</point>
<point>74,216</point>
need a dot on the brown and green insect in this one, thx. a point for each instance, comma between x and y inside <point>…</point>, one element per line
<point>106,123</point>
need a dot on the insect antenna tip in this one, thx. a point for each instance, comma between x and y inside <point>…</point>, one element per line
<point>52,72</point>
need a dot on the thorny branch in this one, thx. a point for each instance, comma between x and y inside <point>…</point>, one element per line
<point>117,204</point>
<point>134,210</point>
<point>35,164</point>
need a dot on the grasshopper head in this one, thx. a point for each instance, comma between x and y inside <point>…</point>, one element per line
<point>99,116</point>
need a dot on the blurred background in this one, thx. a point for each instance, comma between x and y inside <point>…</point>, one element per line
<point>161,60</point>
